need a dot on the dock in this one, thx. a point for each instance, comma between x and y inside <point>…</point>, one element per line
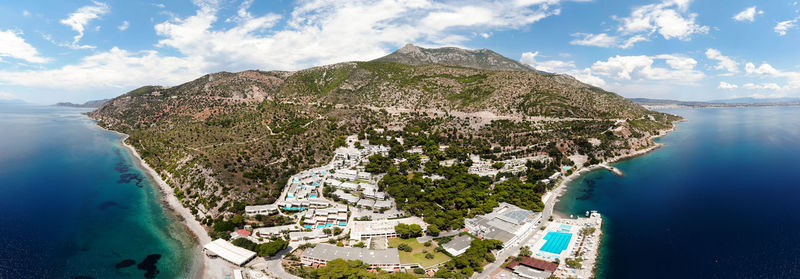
<point>616,171</point>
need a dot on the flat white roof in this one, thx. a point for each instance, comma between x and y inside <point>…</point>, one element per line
<point>229,252</point>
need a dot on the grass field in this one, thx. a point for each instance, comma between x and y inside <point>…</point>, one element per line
<point>416,255</point>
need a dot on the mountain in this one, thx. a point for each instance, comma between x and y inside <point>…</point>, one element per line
<point>226,140</point>
<point>451,56</point>
<point>88,104</point>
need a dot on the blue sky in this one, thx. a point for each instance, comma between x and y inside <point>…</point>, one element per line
<point>676,49</point>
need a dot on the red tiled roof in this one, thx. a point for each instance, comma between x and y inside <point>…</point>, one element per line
<point>533,263</point>
<point>243,232</point>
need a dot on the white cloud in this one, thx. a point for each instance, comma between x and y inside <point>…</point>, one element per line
<point>782,27</point>
<point>80,18</point>
<point>669,18</point>
<point>115,68</point>
<point>748,14</point>
<point>725,85</point>
<point>13,45</point>
<point>552,66</point>
<point>124,26</point>
<point>561,67</point>
<point>723,62</point>
<point>598,40</point>
<point>323,31</point>
<point>764,69</point>
<point>767,71</point>
<point>762,86</point>
<point>26,13</point>
<point>680,70</point>
<point>632,41</point>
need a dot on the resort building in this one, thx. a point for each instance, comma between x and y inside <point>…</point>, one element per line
<point>229,252</point>
<point>380,228</point>
<point>350,199</point>
<point>366,204</point>
<point>529,267</point>
<point>320,255</point>
<point>506,223</point>
<point>275,231</point>
<point>382,205</point>
<point>344,174</point>
<point>298,236</point>
<point>458,245</point>
<point>266,209</point>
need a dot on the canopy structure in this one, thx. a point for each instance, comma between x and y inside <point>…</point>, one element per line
<point>229,252</point>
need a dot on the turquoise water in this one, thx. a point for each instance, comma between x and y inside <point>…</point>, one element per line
<point>74,203</point>
<point>556,242</point>
<point>720,200</point>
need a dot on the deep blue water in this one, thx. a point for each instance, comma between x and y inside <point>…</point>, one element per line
<point>74,203</point>
<point>720,200</point>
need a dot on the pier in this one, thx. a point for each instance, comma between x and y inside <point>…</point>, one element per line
<point>616,171</point>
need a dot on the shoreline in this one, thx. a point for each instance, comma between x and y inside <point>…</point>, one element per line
<point>202,266</point>
<point>558,191</point>
<point>561,189</point>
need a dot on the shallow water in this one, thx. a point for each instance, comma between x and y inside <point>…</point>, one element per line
<point>74,203</point>
<point>720,200</point>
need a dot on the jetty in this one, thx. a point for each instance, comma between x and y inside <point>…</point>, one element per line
<point>616,171</point>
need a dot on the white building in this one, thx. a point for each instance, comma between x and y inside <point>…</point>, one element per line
<point>380,228</point>
<point>266,209</point>
<point>229,252</point>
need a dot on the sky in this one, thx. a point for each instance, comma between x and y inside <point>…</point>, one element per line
<point>55,50</point>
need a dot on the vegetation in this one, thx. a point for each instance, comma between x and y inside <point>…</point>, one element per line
<point>408,231</point>
<point>343,269</point>
<point>476,256</point>
<point>268,249</point>
<point>426,256</point>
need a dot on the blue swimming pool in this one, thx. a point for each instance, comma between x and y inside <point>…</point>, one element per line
<point>556,242</point>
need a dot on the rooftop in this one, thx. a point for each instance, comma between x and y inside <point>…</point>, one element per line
<point>328,252</point>
<point>459,243</point>
<point>229,252</point>
<point>534,263</point>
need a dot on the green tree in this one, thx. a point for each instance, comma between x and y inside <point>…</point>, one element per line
<point>432,230</point>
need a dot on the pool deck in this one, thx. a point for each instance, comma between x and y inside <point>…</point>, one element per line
<point>583,246</point>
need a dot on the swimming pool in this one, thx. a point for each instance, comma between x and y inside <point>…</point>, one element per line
<point>556,242</point>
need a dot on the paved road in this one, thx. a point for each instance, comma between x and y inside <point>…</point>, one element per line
<point>274,267</point>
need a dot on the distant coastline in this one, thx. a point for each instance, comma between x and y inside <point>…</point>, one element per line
<point>732,103</point>
<point>88,104</point>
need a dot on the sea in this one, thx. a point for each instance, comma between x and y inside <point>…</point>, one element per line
<point>75,204</point>
<point>720,199</point>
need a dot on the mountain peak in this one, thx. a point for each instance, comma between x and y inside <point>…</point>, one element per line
<point>453,56</point>
<point>408,48</point>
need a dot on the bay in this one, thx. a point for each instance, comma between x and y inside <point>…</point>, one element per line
<point>719,200</point>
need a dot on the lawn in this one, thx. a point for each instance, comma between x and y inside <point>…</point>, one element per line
<point>416,255</point>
